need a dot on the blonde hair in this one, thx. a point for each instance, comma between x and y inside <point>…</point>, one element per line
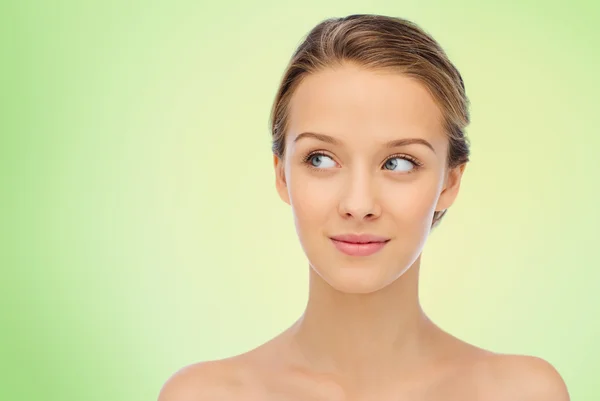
<point>379,42</point>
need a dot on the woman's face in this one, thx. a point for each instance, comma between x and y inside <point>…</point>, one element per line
<point>365,156</point>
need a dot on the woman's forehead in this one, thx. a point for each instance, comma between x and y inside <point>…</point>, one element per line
<point>350,99</point>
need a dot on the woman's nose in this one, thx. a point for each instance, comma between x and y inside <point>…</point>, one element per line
<point>359,199</point>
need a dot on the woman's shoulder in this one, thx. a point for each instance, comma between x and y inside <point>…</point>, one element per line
<point>499,376</point>
<point>518,377</point>
<point>228,378</point>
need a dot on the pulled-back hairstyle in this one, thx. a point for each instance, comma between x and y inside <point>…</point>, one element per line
<point>379,42</point>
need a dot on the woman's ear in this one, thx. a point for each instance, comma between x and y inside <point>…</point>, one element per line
<point>451,187</point>
<point>280,179</point>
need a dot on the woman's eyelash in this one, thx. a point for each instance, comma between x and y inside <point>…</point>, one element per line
<point>405,157</point>
<point>312,154</point>
<point>307,160</point>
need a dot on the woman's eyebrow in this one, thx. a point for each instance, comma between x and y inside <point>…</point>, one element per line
<point>319,137</point>
<point>391,144</point>
<point>408,141</point>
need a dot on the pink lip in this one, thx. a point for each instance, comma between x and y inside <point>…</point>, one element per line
<point>359,245</point>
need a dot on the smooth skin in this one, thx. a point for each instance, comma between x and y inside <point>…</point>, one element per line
<point>366,154</point>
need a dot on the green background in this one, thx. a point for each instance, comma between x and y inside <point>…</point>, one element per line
<point>140,226</point>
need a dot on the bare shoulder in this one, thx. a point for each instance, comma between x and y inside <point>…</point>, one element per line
<point>211,380</point>
<point>520,378</point>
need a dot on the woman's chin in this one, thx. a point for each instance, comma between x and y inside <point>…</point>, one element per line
<point>353,280</point>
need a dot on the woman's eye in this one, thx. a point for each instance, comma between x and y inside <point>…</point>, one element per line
<point>399,164</point>
<point>321,161</point>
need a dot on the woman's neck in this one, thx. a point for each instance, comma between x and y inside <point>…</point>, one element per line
<point>363,338</point>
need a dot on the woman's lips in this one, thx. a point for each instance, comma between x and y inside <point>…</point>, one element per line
<point>359,245</point>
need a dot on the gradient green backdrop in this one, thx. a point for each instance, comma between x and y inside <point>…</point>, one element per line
<point>140,227</point>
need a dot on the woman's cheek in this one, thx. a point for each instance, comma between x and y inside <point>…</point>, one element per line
<point>410,202</point>
<point>313,198</point>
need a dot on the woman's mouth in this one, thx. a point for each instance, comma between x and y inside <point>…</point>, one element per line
<point>359,244</point>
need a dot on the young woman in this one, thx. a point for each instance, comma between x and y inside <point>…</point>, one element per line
<point>369,150</point>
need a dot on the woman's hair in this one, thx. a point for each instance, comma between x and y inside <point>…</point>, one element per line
<point>379,42</point>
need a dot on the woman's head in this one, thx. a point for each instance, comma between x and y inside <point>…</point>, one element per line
<point>368,138</point>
